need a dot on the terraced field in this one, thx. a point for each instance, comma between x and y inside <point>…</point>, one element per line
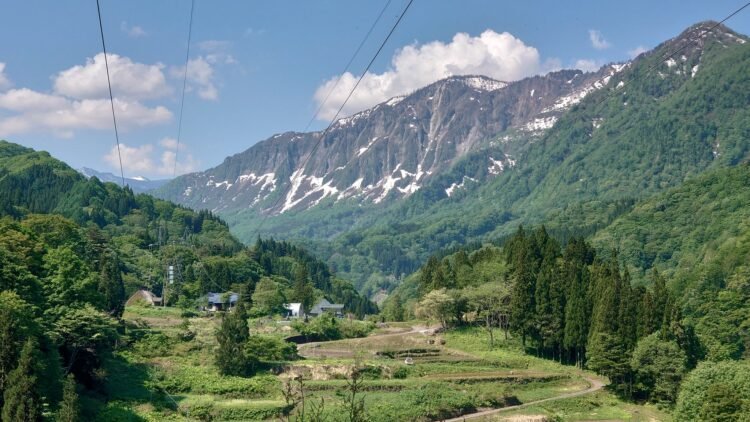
<point>409,373</point>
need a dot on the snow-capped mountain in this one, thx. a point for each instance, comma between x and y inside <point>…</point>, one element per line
<point>389,151</point>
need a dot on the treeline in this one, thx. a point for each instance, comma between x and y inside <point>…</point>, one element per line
<point>567,303</point>
<point>572,306</point>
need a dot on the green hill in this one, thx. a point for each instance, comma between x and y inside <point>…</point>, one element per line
<point>655,126</point>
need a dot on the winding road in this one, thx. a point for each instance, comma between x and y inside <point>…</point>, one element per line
<point>594,385</point>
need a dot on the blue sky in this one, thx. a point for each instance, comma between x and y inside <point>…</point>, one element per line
<point>259,68</point>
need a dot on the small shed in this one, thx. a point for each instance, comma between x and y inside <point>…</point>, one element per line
<point>222,301</point>
<point>294,310</point>
<point>324,306</point>
<point>144,296</point>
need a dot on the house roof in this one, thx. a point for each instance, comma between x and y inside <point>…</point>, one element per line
<point>324,305</point>
<point>217,297</point>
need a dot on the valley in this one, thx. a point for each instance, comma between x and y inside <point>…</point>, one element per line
<point>554,245</point>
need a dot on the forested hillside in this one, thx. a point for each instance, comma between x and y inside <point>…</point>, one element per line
<point>578,305</point>
<point>73,249</point>
<point>661,121</point>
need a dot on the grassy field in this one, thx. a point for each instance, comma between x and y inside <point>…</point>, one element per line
<point>167,373</point>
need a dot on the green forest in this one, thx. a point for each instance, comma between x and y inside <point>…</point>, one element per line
<point>72,250</point>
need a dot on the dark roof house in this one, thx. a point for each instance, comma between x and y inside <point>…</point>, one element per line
<point>222,301</point>
<point>324,306</point>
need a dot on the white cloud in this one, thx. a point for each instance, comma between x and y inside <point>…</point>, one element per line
<point>597,40</point>
<point>637,51</point>
<point>185,162</point>
<point>148,160</point>
<point>4,81</point>
<point>498,55</point>
<point>80,101</point>
<point>25,99</point>
<point>134,159</point>
<point>168,143</point>
<point>587,65</point>
<point>134,31</point>
<point>200,75</point>
<point>129,79</point>
<point>62,116</point>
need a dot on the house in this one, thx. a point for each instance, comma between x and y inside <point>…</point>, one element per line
<point>144,296</point>
<point>294,310</point>
<point>222,301</point>
<point>324,306</point>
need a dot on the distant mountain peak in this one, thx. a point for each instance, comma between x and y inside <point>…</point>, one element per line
<point>137,183</point>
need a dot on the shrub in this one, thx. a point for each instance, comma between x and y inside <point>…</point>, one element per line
<point>265,348</point>
<point>703,384</point>
<point>401,372</point>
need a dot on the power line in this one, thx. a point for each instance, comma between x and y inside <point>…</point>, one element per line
<point>184,84</point>
<point>677,50</point>
<point>335,117</point>
<point>346,68</point>
<point>109,85</point>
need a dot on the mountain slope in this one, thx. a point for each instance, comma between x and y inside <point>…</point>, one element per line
<point>389,151</point>
<point>704,220</point>
<point>655,131</point>
<point>654,123</point>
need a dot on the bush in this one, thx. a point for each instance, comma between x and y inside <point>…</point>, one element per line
<point>327,327</point>
<point>702,385</point>
<point>401,372</point>
<point>263,348</point>
<point>154,344</point>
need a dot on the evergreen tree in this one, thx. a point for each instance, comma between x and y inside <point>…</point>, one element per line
<point>232,336</point>
<point>394,308</point>
<point>661,299</point>
<point>545,317</point>
<point>69,408</point>
<point>576,319</point>
<point>22,402</point>
<point>522,305</point>
<point>111,285</point>
<point>627,313</point>
<point>608,356</point>
<point>303,289</point>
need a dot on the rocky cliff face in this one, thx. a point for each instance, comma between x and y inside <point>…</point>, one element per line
<point>389,151</point>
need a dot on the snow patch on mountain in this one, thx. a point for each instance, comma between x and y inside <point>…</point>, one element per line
<point>483,83</point>
<point>395,100</point>
<point>575,98</point>
<point>452,188</point>
<point>268,180</point>
<point>316,186</point>
<point>540,123</point>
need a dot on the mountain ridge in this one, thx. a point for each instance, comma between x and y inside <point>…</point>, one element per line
<point>388,151</point>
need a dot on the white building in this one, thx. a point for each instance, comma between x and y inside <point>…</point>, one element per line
<point>294,310</point>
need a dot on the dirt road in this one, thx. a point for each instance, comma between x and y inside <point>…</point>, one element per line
<point>595,385</point>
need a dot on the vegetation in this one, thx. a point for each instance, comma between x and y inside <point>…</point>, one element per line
<point>71,253</point>
<point>602,157</point>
